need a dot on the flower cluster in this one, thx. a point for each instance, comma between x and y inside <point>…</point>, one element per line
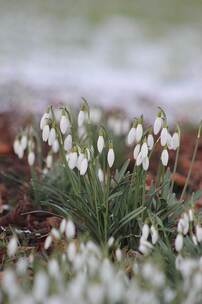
<point>145,246</point>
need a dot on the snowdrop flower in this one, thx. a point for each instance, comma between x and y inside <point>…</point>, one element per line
<point>16,145</point>
<point>31,158</point>
<point>71,251</point>
<point>55,146</point>
<point>100,143</point>
<point>136,151</point>
<point>23,142</point>
<point>40,288</point>
<point>139,159</point>
<point>64,124</point>
<point>110,241</point>
<point>12,246</point>
<point>164,157</point>
<point>145,247</point>
<point>79,160</point>
<point>45,133</point>
<point>144,150</point>
<point>110,156</point>
<point>84,166</point>
<point>150,141</point>
<point>49,161</point>
<point>52,136</point>
<point>48,242</point>
<point>81,118</point>
<point>68,143</point>
<point>20,152</point>
<point>175,140</point>
<point>169,141</point>
<point>179,242</point>
<point>70,230</point>
<point>43,121</point>
<point>145,163</point>
<point>72,161</point>
<point>154,235</point>
<point>199,233</point>
<point>139,132</point>
<point>164,136</point>
<point>145,231</point>
<point>158,123</point>
<point>118,254</point>
<point>131,136</point>
<point>100,175</point>
<point>185,219</point>
<point>55,233</point>
<point>63,225</point>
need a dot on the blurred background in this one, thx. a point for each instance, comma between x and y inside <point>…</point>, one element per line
<point>130,54</point>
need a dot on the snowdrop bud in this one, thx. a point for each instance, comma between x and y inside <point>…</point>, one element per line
<point>71,251</point>
<point>12,246</point>
<point>139,159</point>
<point>64,124</point>
<point>191,215</point>
<point>145,231</point>
<point>131,136</point>
<point>157,125</point>
<point>139,132</point>
<point>43,121</point>
<point>55,146</point>
<point>118,254</point>
<point>144,150</point>
<point>110,241</point>
<point>31,158</point>
<point>154,235</point>
<point>68,143</point>
<point>175,141</point>
<point>150,141</point>
<point>81,118</point>
<point>100,175</point>
<point>63,225</point>
<point>164,136</point>
<point>52,136</point>
<point>194,239</point>
<point>48,242</point>
<point>49,161</point>
<point>179,242</point>
<point>164,157</point>
<point>145,163</point>
<point>72,160</point>
<point>23,142</point>
<point>70,230</point>
<point>79,160</point>
<point>136,151</point>
<point>110,157</point>
<point>100,143</point>
<point>45,133</point>
<point>84,166</point>
<point>55,233</point>
<point>199,233</point>
<point>16,145</point>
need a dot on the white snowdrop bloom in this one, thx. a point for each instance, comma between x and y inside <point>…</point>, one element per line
<point>40,288</point>
<point>70,230</point>
<point>191,215</point>
<point>64,124</point>
<point>110,241</point>
<point>194,239</point>
<point>55,233</point>
<point>31,158</point>
<point>118,254</point>
<point>45,133</point>
<point>150,141</point>
<point>144,150</point>
<point>175,140</point>
<point>180,226</point>
<point>12,246</point>
<point>145,163</point>
<point>110,157</point>
<point>139,159</point>
<point>71,251</point>
<point>52,136</point>
<point>131,136</point>
<point>23,142</point>
<point>169,141</point>
<point>100,143</point>
<point>164,136</point>
<point>63,225</point>
<point>158,123</point>
<point>68,143</point>
<point>21,266</point>
<point>185,219</point>
<point>49,161</point>
<point>48,242</point>
<point>16,145</point>
<point>179,242</point>
<point>164,157</point>
<point>139,132</point>
<point>100,175</point>
<point>84,166</point>
<point>81,118</point>
<point>44,120</point>
<point>136,151</point>
<point>55,146</point>
<point>199,233</point>
<point>53,268</point>
<point>145,247</point>
<point>72,160</point>
<point>20,152</point>
<point>79,160</point>
<point>154,235</point>
<point>145,231</point>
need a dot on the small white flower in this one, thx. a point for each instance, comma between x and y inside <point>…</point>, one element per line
<point>139,159</point>
<point>68,143</point>
<point>145,163</point>
<point>31,158</point>
<point>20,152</point>
<point>81,118</point>
<point>43,121</point>
<point>79,160</point>
<point>72,161</point>
<point>164,136</point>
<point>199,233</point>
<point>45,133</point>
<point>144,150</point>
<point>118,254</point>
<point>164,157</point>
<point>145,247</point>
<point>23,142</point>
<point>64,124</point>
<point>131,136</point>
<point>136,151</point>
<point>100,175</point>
<point>70,230</point>
<point>52,136</point>
<point>110,157</point>
<point>16,145</point>
<point>110,241</point>
<point>169,141</point>
<point>150,141</point>
<point>154,235</point>
<point>63,225</point>
<point>157,125</point>
<point>48,242</point>
<point>139,132</point>
<point>100,143</point>
<point>55,233</point>
<point>175,140</point>
<point>71,251</point>
<point>179,242</point>
<point>55,146</point>
<point>84,166</point>
<point>12,246</point>
<point>145,231</point>
<point>49,161</point>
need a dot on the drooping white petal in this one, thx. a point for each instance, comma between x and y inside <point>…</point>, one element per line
<point>169,141</point>
<point>31,158</point>
<point>139,159</point>
<point>145,163</point>
<point>164,136</point>
<point>136,151</point>
<point>131,136</point>
<point>12,246</point>
<point>63,225</point>
<point>45,133</point>
<point>16,145</point>
<point>100,175</point>
<point>100,143</point>
<point>118,254</point>
<point>68,143</point>
<point>179,242</point>
<point>52,136</point>
<point>164,157</point>
<point>55,146</point>
<point>84,166</point>
<point>154,235</point>
<point>110,157</point>
<point>44,120</point>
<point>199,233</point>
<point>70,230</point>
<point>175,140</point>
<point>145,231</point>
<point>23,142</point>
<point>72,160</point>
<point>150,141</point>
<point>20,152</point>
<point>144,150</point>
<point>139,132</point>
<point>49,161</point>
<point>64,124</point>
<point>157,125</point>
<point>79,160</point>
